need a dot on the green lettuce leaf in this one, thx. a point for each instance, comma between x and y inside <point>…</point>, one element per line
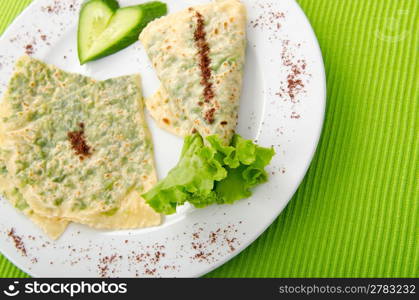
<point>209,173</point>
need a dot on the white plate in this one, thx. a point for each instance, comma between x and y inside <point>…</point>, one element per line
<point>192,242</point>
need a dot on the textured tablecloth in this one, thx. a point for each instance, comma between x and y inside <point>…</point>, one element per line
<point>356,212</point>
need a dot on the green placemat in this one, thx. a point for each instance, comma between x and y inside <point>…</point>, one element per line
<point>356,212</point>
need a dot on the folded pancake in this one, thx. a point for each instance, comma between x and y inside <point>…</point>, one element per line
<point>77,149</point>
<point>51,80</point>
<point>198,54</point>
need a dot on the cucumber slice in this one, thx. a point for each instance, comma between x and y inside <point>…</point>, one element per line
<point>94,17</point>
<point>122,30</point>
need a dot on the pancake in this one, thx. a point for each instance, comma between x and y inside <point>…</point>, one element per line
<point>78,149</point>
<point>198,54</point>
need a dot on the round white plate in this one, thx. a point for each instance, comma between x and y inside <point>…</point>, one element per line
<point>282,104</point>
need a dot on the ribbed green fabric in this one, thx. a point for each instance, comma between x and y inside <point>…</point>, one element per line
<point>9,9</point>
<point>356,212</point>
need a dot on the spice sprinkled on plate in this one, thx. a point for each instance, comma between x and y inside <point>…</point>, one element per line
<point>296,79</point>
<point>29,49</point>
<point>17,241</point>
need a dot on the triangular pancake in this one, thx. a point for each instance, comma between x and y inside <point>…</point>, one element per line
<point>198,54</point>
